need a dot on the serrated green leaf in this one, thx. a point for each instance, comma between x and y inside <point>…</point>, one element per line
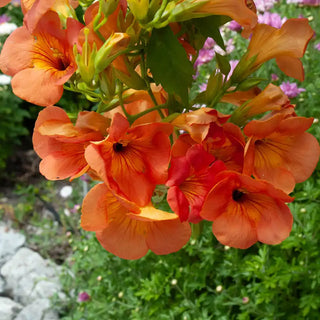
<point>169,63</point>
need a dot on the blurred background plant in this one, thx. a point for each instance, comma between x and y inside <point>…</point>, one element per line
<point>205,280</point>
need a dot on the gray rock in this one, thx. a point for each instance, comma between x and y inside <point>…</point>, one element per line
<point>8,308</point>
<point>2,286</point>
<point>28,277</point>
<point>10,242</point>
<point>38,310</point>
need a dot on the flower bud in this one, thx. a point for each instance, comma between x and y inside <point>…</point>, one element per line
<point>139,8</point>
<point>126,74</point>
<point>85,60</point>
<point>243,69</point>
<point>107,82</point>
<point>110,50</point>
<point>108,6</point>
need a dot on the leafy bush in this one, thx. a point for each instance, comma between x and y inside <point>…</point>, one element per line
<point>11,123</point>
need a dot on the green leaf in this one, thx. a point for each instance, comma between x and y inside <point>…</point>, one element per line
<point>249,83</point>
<point>213,86</point>
<point>169,63</point>
<point>223,64</point>
<point>209,27</point>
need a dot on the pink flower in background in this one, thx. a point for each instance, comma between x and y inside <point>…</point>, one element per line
<point>209,43</point>
<point>75,208</point>
<point>85,177</point>
<point>230,46</point>
<point>4,18</point>
<point>291,89</point>
<point>16,3</point>
<point>317,46</point>
<point>203,86</point>
<point>233,64</point>
<point>274,77</point>
<point>83,296</point>
<point>311,2</point>
<point>264,5</point>
<point>271,19</point>
<point>294,1</point>
<point>234,26</point>
<point>205,55</point>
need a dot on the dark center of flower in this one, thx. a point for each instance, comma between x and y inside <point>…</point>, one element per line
<point>118,147</point>
<point>258,142</point>
<point>237,195</point>
<point>62,64</point>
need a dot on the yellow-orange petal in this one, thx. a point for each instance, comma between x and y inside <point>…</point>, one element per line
<point>67,162</point>
<point>130,235</point>
<point>41,89</point>
<point>290,41</point>
<point>16,53</point>
<point>94,208</point>
<point>93,121</point>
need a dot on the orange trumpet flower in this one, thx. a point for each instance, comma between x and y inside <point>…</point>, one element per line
<point>279,150</point>
<point>225,143</point>
<point>132,161</point>
<point>198,122</point>
<point>61,144</point>
<point>272,98</point>
<point>244,211</point>
<point>44,58</point>
<point>129,231</point>
<point>227,146</point>
<point>286,45</point>
<point>190,179</point>
<point>34,10</point>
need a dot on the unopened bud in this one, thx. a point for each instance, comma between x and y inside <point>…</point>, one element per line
<point>139,8</point>
<point>85,60</point>
<point>110,50</point>
<point>108,6</point>
<point>243,69</point>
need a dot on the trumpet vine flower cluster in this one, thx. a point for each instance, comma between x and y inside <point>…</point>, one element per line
<point>146,143</point>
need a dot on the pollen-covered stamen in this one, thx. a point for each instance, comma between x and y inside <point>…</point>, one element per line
<point>237,195</point>
<point>118,147</point>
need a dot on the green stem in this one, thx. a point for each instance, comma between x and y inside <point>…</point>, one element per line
<point>223,91</point>
<point>97,25</point>
<point>142,113</point>
<point>90,93</point>
<point>129,117</point>
<point>158,14</point>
